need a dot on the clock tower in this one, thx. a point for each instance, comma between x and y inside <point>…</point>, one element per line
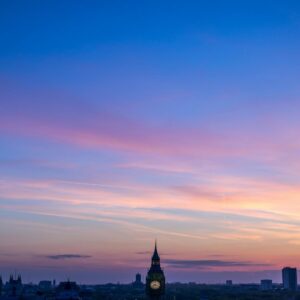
<point>155,281</point>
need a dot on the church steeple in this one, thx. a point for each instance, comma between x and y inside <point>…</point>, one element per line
<point>155,256</point>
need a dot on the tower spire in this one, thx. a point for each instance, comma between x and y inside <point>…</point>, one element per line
<point>155,280</point>
<point>155,256</point>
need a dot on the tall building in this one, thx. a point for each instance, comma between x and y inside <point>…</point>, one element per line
<point>289,278</point>
<point>266,284</point>
<point>155,281</point>
<point>138,278</point>
<point>138,281</point>
<point>229,282</point>
<point>13,287</point>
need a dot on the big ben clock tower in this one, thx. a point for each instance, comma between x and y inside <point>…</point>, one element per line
<point>155,281</point>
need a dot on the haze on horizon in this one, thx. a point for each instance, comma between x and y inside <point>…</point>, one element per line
<point>126,121</point>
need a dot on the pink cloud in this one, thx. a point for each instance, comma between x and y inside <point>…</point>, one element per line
<point>61,117</point>
<point>113,132</point>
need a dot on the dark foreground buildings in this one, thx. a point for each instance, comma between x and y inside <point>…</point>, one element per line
<point>154,289</point>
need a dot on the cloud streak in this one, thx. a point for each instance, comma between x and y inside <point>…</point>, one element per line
<point>177,263</point>
<point>67,256</point>
<point>92,127</point>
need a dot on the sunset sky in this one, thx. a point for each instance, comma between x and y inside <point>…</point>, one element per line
<point>126,121</point>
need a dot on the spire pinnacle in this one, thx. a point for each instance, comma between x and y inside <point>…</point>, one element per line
<point>155,253</point>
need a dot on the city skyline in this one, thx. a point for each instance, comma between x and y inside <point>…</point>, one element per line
<point>122,122</point>
<point>154,273</point>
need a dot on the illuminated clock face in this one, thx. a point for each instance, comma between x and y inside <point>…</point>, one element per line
<point>155,285</point>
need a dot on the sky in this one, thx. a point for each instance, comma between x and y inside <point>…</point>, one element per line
<point>122,122</point>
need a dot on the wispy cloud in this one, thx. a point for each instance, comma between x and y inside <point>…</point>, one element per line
<point>67,256</point>
<point>211,263</point>
<point>143,252</point>
<point>26,162</point>
<point>92,127</point>
<point>151,252</point>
